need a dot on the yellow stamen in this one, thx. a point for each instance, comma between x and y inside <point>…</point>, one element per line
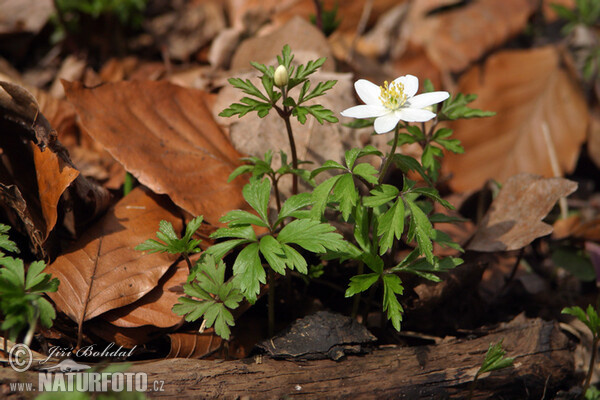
<point>392,96</point>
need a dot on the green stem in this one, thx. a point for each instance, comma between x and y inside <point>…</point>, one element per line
<point>590,372</point>
<point>390,157</point>
<point>356,299</point>
<point>271,302</point>
<point>473,384</point>
<point>188,261</point>
<point>276,190</point>
<point>285,114</point>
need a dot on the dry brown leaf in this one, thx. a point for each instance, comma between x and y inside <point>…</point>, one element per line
<point>575,226</point>
<point>166,137</point>
<point>455,38</point>
<point>299,34</point>
<point>19,16</point>
<point>37,171</point>
<point>515,217</point>
<point>530,92</point>
<point>102,271</point>
<point>126,337</point>
<point>155,307</point>
<point>194,344</point>
<point>593,144</point>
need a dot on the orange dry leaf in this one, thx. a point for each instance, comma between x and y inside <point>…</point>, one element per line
<point>194,345</point>
<point>155,307</point>
<point>531,93</point>
<point>166,137</point>
<point>455,38</point>
<point>102,271</point>
<point>515,217</point>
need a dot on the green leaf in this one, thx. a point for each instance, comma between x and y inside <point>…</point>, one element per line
<point>390,225</point>
<point>39,282</point>
<point>247,87</point>
<point>407,163</point>
<point>242,169</point>
<point>311,235</point>
<point>319,90</point>
<point>192,227</point>
<point>381,195</point>
<point>456,108</point>
<point>238,232</point>
<point>240,217</point>
<point>580,315</point>
<point>494,359</point>
<point>421,229</point>
<point>294,260</point>
<point>293,204</point>
<point>360,283</point>
<point>320,196</point>
<point>318,111</point>
<point>433,194</point>
<point>5,242</point>
<point>392,286</point>
<point>327,165</point>
<point>346,194</point>
<point>257,193</point>
<point>248,272</point>
<point>575,261</point>
<point>362,228</point>
<point>273,252</point>
<point>46,311</point>
<point>220,249</point>
<point>367,172</point>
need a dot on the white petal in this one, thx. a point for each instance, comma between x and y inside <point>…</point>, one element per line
<point>414,115</point>
<point>411,84</point>
<point>426,99</point>
<point>365,111</point>
<point>367,91</point>
<point>386,123</point>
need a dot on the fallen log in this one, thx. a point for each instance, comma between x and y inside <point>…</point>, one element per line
<point>543,365</point>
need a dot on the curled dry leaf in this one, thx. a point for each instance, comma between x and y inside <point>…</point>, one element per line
<point>167,138</point>
<point>530,93</point>
<point>37,172</point>
<point>194,344</point>
<point>155,307</point>
<point>515,217</point>
<point>102,271</point>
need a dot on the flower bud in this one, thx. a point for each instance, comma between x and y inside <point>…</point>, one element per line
<point>281,76</point>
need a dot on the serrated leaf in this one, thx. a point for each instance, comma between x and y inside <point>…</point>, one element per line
<point>311,235</point>
<point>5,242</point>
<point>360,283</point>
<point>392,286</point>
<point>422,229</point>
<point>220,249</point>
<point>238,232</point>
<point>456,108</point>
<point>293,204</point>
<point>327,165</point>
<point>381,195</point>
<point>362,228</point>
<point>320,196</point>
<point>242,169</point>
<point>248,272</point>
<point>406,163</point>
<point>390,225</point>
<point>241,217</point>
<point>257,193</point>
<point>294,260</point>
<point>274,254</point>
<point>346,194</point>
<point>494,359</point>
<point>367,172</point>
<point>433,194</point>
<point>318,111</point>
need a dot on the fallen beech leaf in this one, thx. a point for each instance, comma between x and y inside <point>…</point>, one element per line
<point>194,345</point>
<point>455,38</point>
<point>126,337</point>
<point>24,15</point>
<point>530,92</point>
<point>515,217</point>
<point>593,144</point>
<point>298,33</point>
<point>37,172</point>
<point>155,307</point>
<point>574,226</point>
<point>102,271</point>
<point>166,137</point>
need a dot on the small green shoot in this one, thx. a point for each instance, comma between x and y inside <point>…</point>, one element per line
<point>21,294</point>
<point>494,361</point>
<point>216,296</point>
<point>590,318</point>
<point>171,243</point>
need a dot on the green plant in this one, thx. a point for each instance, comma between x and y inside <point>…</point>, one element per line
<point>171,242</point>
<point>21,294</point>
<point>586,13</point>
<point>326,20</point>
<point>216,296</point>
<point>494,361</point>
<point>590,318</point>
<point>287,78</point>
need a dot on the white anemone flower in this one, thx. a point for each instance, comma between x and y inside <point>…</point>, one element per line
<point>391,103</point>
